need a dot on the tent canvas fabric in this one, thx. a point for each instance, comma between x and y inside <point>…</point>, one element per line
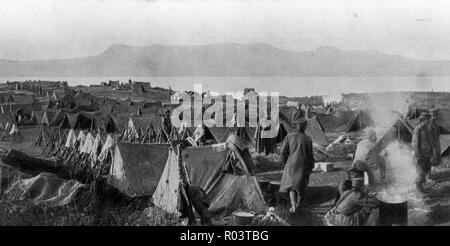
<point>71,139</point>
<point>43,136</point>
<point>209,167</point>
<point>221,134</point>
<point>44,189</point>
<point>136,123</point>
<point>87,108</point>
<point>7,118</point>
<point>444,140</point>
<point>136,168</point>
<point>106,148</point>
<point>96,148</point>
<point>14,130</point>
<point>412,112</point>
<point>37,117</point>
<point>81,138</point>
<point>88,144</point>
<point>58,118</point>
<point>47,118</point>
<point>82,98</point>
<point>206,165</point>
<point>400,129</point>
<point>144,121</point>
<point>344,121</point>
<point>167,192</point>
<point>443,119</point>
<point>313,129</point>
<point>80,120</point>
<point>89,120</point>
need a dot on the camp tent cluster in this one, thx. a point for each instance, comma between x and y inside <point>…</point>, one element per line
<point>224,171</point>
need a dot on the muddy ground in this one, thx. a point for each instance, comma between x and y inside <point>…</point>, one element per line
<point>432,210</point>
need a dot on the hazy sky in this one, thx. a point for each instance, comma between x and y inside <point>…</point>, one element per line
<point>46,29</point>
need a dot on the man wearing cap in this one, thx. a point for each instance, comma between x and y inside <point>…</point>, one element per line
<point>297,155</point>
<point>354,205</point>
<point>423,150</point>
<point>365,159</point>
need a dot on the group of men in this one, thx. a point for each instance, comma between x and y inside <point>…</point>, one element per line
<point>354,204</point>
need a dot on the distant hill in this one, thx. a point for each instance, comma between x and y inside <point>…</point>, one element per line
<point>227,60</point>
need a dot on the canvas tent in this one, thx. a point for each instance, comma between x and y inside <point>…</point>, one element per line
<point>444,140</point>
<point>221,134</point>
<point>443,120</point>
<point>92,107</point>
<point>43,137</point>
<point>141,128</point>
<point>81,120</point>
<point>7,118</point>
<point>58,117</point>
<point>400,129</point>
<point>344,121</point>
<point>47,118</point>
<point>413,112</point>
<point>136,168</point>
<point>87,120</point>
<point>82,98</point>
<point>227,181</point>
<point>287,116</point>
<point>37,116</point>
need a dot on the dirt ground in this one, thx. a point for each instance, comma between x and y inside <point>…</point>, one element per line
<point>432,210</point>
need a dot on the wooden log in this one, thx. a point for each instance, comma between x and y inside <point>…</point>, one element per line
<point>34,166</point>
<point>28,164</point>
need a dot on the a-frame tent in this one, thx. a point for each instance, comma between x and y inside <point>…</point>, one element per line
<point>228,183</point>
<point>344,121</point>
<point>286,117</point>
<point>400,130</point>
<point>136,168</point>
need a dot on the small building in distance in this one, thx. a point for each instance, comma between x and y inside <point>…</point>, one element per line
<point>114,84</point>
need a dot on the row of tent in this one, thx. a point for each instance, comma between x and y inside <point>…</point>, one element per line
<point>114,116</point>
<point>94,146</point>
<point>224,171</point>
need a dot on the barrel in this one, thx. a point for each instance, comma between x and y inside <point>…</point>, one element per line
<point>393,213</point>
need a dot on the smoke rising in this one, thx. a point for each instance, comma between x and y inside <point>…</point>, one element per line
<point>400,164</point>
<point>401,171</point>
<point>382,108</point>
<point>330,99</point>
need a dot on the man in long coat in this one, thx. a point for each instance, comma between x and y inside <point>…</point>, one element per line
<point>297,154</point>
<point>423,150</point>
<point>434,133</point>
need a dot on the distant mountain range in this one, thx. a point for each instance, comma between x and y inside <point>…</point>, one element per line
<point>226,60</point>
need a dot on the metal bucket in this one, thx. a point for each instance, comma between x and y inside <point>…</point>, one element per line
<point>243,218</point>
<point>393,213</point>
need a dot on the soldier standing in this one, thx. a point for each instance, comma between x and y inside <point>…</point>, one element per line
<point>423,150</point>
